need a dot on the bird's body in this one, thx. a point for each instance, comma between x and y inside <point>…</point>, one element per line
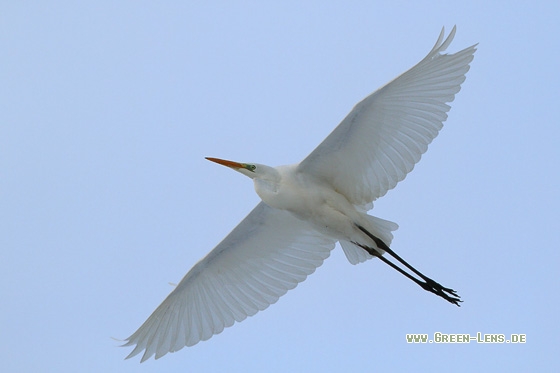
<point>314,201</point>
<point>306,208</point>
<point>309,200</point>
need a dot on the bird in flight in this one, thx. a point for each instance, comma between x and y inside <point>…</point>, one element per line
<point>307,207</point>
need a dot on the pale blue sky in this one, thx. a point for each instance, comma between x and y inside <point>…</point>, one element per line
<point>108,109</point>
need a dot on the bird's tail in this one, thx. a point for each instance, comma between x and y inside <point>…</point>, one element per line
<point>380,228</point>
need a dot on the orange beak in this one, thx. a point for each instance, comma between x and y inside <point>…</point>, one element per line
<point>223,162</point>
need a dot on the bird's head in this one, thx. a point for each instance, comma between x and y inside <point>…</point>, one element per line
<point>267,179</point>
<point>251,170</point>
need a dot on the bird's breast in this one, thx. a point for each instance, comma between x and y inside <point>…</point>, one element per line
<point>288,194</point>
<point>313,202</point>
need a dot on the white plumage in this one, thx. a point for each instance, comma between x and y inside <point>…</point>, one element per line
<point>307,208</point>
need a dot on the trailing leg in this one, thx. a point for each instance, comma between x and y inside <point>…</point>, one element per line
<point>428,284</point>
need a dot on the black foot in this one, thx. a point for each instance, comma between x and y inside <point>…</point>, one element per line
<point>448,294</point>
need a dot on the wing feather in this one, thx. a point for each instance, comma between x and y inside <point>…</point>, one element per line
<point>266,255</point>
<point>384,136</point>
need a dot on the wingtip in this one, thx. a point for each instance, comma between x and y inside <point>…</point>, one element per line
<point>449,39</point>
<point>135,351</point>
<point>441,43</point>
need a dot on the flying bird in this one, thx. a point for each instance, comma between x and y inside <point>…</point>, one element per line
<point>307,207</point>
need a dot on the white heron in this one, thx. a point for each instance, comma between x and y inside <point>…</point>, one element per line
<point>307,207</point>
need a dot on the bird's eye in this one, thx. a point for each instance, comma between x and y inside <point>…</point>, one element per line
<point>251,167</point>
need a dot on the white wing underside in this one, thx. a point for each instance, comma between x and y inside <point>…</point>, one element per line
<point>266,255</point>
<point>385,134</point>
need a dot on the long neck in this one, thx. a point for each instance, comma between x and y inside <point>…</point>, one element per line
<point>267,183</point>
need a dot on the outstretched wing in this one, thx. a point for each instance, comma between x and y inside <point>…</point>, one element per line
<point>266,255</point>
<point>385,135</point>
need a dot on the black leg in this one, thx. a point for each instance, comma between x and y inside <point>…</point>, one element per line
<point>428,284</point>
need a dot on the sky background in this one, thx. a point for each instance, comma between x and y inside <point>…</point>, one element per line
<point>107,110</point>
